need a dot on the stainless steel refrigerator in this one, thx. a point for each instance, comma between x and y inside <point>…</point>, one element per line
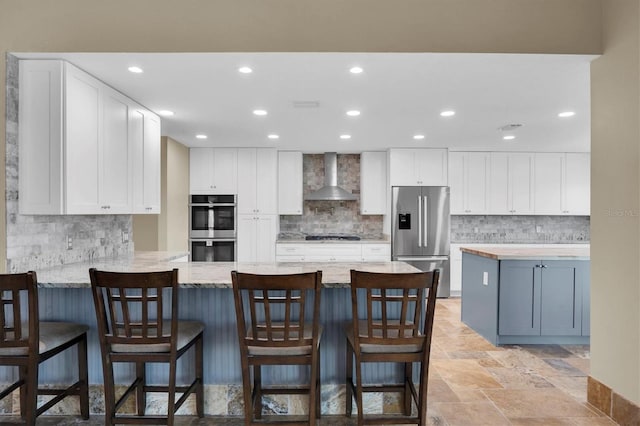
<point>420,229</point>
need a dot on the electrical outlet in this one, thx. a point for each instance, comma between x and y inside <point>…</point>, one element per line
<point>538,229</point>
<point>475,230</point>
<point>125,237</point>
<point>69,242</point>
<point>485,278</point>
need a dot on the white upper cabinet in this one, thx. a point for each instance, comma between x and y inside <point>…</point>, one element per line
<point>257,180</point>
<point>290,182</point>
<point>418,167</point>
<point>562,183</point>
<point>510,183</point>
<point>468,180</point>
<point>549,171</point>
<point>577,184</point>
<point>75,152</point>
<point>115,192</point>
<point>144,131</point>
<point>373,183</point>
<point>213,171</point>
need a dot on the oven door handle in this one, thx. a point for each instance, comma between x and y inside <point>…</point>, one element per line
<point>211,220</point>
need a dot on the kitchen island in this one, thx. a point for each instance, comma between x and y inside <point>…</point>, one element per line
<point>205,295</point>
<point>527,295</point>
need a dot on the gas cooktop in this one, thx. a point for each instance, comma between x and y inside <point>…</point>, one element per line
<point>331,237</point>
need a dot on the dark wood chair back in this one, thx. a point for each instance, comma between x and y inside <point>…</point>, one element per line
<point>136,308</point>
<point>389,309</point>
<point>277,311</point>
<point>19,306</point>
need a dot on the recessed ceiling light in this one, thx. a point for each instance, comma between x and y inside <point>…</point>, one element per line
<point>448,113</point>
<point>345,137</point>
<point>566,114</point>
<point>201,136</point>
<point>245,70</point>
<point>418,137</point>
<point>273,136</point>
<point>259,112</point>
<point>356,70</point>
<point>165,113</point>
<point>508,137</point>
<point>135,70</point>
<point>353,113</point>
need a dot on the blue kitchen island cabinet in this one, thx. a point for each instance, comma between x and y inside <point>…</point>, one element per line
<point>526,296</point>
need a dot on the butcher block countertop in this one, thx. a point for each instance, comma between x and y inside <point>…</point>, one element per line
<point>530,253</point>
<point>206,274</point>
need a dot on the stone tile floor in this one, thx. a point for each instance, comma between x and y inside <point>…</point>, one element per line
<point>473,383</point>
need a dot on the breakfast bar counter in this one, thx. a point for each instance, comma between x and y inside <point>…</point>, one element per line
<point>205,295</point>
<point>206,274</point>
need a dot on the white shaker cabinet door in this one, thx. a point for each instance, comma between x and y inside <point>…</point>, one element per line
<point>225,171</point>
<point>83,111</point>
<point>548,183</point>
<point>290,182</point>
<point>201,171</point>
<point>577,184</point>
<point>499,184</point>
<point>247,181</point>
<point>431,167</point>
<point>114,191</point>
<point>373,183</point>
<point>457,186</point>
<point>521,181</point>
<point>266,235</point>
<point>266,181</point>
<point>151,163</point>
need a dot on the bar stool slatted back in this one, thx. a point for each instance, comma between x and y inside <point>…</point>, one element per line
<point>137,315</point>
<point>392,322</point>
<point>26,342</point>
<point>278,324</point>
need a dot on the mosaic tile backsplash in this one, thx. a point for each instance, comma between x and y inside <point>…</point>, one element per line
<point>35,242</point>
<point>520,229</point>
<point>335,217</point>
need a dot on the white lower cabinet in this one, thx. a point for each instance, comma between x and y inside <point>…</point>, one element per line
<point>333,252</point>
<point>256,238</point>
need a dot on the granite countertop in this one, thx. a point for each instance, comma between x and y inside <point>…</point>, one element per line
<point>206,274</point>
<point>297,238</point>
<point>530,253</point>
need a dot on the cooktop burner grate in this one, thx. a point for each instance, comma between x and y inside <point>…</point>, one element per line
<point>332,237</point>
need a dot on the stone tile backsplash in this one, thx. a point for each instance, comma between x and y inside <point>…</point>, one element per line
<point>520,229</point>
<point>336,217</point>
<point>35,242</point>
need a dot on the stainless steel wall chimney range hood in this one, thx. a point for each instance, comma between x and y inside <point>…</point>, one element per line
<point>331,191</point>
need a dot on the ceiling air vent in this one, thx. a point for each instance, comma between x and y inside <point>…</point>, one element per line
<point>509,127</point>
<point>306,104</point>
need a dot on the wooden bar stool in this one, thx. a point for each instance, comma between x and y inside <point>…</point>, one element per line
<point>131,310</point>
<point>278,324</point>
<point>388,326</point>
<point>27,342</point>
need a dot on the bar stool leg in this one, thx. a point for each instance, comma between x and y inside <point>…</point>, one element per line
<point>171,399</point>
<point>32,391</point>
<point>408,377</point>
<point>109,391</point>
<point>349,380</point>
<point>199,376</point>
<point>359,393</point>
<point>318,390</point>
<point>257,391</point>
<point>83,378</point>
<point>22,371</point>
<point>141,400</point>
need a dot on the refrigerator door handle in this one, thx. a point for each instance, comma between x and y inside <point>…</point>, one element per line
<point>419,221</point>
<point>418,259</point>
<point>426,221</point>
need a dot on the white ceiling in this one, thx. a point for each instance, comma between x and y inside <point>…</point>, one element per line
<point>399,95</point>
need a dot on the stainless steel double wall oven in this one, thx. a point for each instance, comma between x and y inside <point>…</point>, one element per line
<point>212,228</point>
